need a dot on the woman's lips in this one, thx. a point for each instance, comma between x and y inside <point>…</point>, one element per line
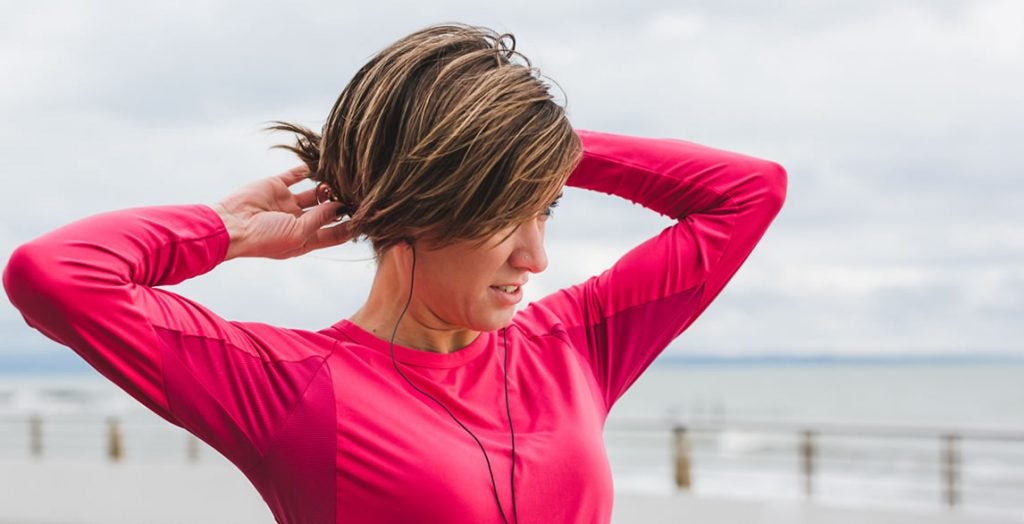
<point>508,294</point>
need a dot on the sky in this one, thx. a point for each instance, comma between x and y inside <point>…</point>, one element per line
<point>900,125</point>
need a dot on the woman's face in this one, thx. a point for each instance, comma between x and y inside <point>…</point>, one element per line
<point>473,286</point>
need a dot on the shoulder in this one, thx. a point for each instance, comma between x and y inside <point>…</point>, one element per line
<point>539,319</point>
<point>564,310</point>
<point>276,343</point>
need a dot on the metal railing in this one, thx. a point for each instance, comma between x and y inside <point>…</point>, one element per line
<point>805,453</point>
<point>40,430</point>
<point>807,448</point>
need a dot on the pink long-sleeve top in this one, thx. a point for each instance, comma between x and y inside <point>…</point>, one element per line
<point>320,422</point>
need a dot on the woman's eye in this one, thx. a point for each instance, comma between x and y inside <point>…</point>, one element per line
<point>551,209</point>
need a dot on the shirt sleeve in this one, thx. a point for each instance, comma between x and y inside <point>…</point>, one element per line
<point>91,286</point>
<point>622,319</point>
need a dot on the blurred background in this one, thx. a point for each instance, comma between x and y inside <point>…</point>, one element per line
<point>867,356</point>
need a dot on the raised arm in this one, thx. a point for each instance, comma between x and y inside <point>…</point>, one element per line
<point>621,320</point>
<point>92,286</point>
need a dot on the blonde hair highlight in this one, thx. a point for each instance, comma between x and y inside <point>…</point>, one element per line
<point>441,136</point>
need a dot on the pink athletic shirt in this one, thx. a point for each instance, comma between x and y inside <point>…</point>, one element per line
<point>320,422</point>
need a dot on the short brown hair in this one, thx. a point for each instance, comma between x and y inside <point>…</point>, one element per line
<point>441,136</point>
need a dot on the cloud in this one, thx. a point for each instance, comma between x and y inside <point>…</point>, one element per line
<point>898,122</point>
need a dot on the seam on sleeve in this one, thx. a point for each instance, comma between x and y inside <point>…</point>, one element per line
<point>242,428</point>
<point>729,198</point>
<point>159,250</point>
<point>216,398</point>
<point>619,161</point>
<point>302,399</point>
<point>606,319</point>
<point>221,251</point>
<point>229,326</point>
<point>558,332</point>
<point>163,386</point>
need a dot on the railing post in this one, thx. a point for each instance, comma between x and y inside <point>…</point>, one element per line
<point>35,436</point>
<point>115,448</point>
<point>951,469</point>
<point>807,461</point>
<point>192,447</point>
<point>682,452</point>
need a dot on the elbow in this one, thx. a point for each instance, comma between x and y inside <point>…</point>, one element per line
<point>27,278</point>
<point>19,275</point>
<point>40,291</point>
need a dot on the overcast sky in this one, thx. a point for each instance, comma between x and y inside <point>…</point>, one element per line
<point>900,124</point>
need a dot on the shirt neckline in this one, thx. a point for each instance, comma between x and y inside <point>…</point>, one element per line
<point>415,357</point>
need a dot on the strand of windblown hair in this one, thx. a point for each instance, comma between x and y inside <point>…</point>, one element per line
<point>391,349</point>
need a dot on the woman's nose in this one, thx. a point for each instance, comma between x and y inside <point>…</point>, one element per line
<point>529,254</point>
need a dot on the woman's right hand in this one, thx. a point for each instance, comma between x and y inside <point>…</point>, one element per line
<point>265,219</point>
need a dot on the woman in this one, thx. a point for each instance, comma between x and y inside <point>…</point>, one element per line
<point>435,401</point>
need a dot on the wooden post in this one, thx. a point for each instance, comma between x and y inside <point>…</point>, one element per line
<point>951,469</point>
<point>682,452</point>
<point>35,436</point>
<point>115,447</point>
<point>807,460</point>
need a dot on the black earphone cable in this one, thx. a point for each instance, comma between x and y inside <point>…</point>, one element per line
<point>511,430</point>
<point>494,485</point>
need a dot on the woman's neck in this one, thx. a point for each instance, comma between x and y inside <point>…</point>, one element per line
<point>419,328</point>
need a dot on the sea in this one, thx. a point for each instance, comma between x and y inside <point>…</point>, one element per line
<point>882,433</point>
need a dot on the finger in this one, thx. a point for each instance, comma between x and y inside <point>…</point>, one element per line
<point>294,175</point>
<point>319,216</point>
<point>331,236</point>
<point>306,199</point>
<point>326,231</point>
